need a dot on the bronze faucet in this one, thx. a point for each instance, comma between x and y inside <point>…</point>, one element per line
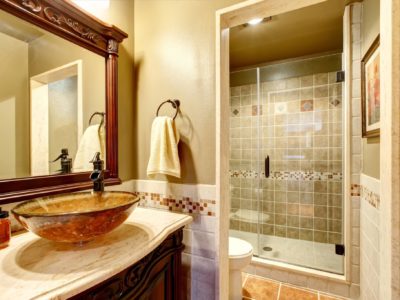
<point>97,176</point>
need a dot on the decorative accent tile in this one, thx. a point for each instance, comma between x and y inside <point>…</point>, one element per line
<point>256,110</point>
<point>369,196</point>
<point>235,112</point>
<point>280,108</point>
<point>306,105</point>
<point>286,175</point>
<point>355,189</point>
<point>177,204</point>
<point>243,174</point>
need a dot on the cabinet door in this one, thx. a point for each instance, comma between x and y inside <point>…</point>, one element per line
<point>161,287</point>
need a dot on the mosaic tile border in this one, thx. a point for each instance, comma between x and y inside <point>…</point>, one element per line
<point>177,204</point>
<point>355,190</point>
<point>371,197</point>
<point>286,175</point>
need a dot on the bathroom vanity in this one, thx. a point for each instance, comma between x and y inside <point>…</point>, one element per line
<point>139,260</point>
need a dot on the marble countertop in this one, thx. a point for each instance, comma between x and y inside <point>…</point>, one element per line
<point>35,268</point>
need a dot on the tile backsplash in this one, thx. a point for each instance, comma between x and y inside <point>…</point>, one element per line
<point>297,123</point>
<point>177,204</point>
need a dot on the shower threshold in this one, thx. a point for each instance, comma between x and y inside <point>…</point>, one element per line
<point>318,256</point>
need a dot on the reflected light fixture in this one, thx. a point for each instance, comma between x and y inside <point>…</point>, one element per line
<point>255,21</point>
<point>93,6</point>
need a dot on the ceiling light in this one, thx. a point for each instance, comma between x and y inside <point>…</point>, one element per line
<point>255,21</point>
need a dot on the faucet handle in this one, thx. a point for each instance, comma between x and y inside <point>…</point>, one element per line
<point>98,164</point>
<point>63,155</point>
<point>95,158</point>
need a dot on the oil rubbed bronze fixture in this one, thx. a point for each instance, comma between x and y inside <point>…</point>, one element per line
<point>97,176</point>
<point>175,104</point>
<point>66,162</point>
<point>102,114</point>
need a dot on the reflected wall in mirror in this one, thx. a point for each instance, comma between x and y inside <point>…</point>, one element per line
<point>49,89</point>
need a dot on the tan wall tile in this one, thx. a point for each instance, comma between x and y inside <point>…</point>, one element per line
<point>306,222</point>
<point>306,210</point>
<point>306,234</point>
<point>321,79</point>
<point>320,236</point>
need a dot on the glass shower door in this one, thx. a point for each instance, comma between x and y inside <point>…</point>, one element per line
<point>300,158</point>
<point>243,163</point>
<point>286,167</point>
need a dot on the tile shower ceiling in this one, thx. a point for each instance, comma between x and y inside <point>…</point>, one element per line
<point>297,33</point>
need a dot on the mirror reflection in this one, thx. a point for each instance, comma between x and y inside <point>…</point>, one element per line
<point>50,88</point>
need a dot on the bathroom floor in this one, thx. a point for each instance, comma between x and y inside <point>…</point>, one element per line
<point>320,256</point>
<point>257,288</point>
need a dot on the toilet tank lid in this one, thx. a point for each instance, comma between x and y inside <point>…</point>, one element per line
<point>238,247</point>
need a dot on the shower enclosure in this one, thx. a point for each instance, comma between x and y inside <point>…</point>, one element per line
<point>286,146</point>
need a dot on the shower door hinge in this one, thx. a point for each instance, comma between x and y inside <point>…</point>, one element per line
<point>340,76</point>
<point>339,249</point>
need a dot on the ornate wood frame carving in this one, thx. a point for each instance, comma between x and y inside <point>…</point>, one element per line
<point>66,20</point>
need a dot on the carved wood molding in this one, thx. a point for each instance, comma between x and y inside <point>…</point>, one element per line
<point>60,19</point>
<point>34,5</point>
<point>65,19</point>
<point>112,46</point>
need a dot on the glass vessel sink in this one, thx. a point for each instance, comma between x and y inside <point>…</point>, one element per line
<point>77,217</point>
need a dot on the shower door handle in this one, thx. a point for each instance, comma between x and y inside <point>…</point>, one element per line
<point>266,167</point>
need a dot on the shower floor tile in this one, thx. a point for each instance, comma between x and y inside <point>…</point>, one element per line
<point>258,288</point>
<point>320,256</point>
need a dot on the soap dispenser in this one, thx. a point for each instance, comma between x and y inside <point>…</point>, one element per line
<point>66,162</point>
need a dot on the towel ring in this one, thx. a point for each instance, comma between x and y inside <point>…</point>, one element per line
<point>98,114</point>
<point>175,104</point>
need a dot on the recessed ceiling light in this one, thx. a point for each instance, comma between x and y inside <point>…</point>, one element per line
<point>255,21</point>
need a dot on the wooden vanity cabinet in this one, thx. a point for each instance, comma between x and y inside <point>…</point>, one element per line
<point>157,276</point>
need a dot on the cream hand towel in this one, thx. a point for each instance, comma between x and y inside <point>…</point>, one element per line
<point>164,157</point>
<point>92,141</point>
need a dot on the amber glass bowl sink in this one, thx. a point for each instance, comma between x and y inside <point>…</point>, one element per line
<point>77,217</point>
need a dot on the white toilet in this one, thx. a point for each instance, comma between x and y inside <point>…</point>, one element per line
<point>240,253</point>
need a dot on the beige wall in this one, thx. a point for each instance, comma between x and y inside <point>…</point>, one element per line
<point>175,58</point>
<point>50,51</point>
<point>370,28</point>
<point>14,108</point>
<point>370,31</point>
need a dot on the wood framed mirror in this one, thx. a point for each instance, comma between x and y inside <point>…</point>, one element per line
<point>65,21</point>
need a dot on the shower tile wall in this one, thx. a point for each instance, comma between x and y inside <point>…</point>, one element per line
<point>298,123</point>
